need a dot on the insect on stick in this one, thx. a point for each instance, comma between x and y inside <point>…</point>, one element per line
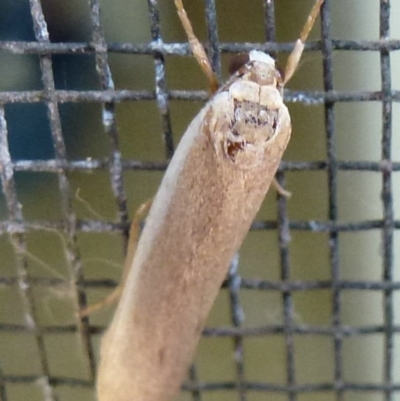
<point>208,198</point>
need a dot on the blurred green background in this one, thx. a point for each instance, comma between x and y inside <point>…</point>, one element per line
<point>358,136</point>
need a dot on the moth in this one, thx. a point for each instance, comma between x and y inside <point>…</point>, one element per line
<point>208,198</point>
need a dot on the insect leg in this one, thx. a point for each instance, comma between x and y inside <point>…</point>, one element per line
<point>295,56</point>
<point>197,48</point>
<point>281,191</point>
<point>132,245</point>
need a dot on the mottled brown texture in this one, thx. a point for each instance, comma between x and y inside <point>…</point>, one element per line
<point>198,220</point>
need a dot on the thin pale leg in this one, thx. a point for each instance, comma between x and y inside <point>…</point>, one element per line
<point>293,62</point>
<point>281,191</point>
<point>197,48</point>
<point>132,245</point>
<point>295,56</point>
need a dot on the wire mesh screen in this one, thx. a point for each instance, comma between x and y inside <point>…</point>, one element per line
<point>94,98</point>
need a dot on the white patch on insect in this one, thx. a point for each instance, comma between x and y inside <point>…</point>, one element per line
<point>256,55</point>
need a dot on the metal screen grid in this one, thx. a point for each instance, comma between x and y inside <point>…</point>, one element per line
<point>70,226</point>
